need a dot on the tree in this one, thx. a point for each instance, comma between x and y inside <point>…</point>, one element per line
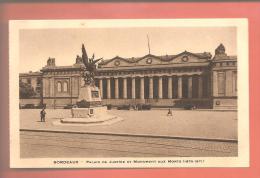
<point>26,90</point>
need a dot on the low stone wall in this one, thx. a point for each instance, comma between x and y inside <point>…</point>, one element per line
<point>216,103</point>
<point>176,103</point>
<point>58,102</point>
<point>34,101</point>
<point>118,102</point>
<point>224,103</point>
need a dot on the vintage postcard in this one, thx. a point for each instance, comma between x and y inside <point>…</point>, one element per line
<point>129,93</point>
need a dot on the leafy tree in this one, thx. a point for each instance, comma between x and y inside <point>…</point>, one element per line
<point>26,90</point>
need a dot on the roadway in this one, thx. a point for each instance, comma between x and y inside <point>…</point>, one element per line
<point>71,145</point>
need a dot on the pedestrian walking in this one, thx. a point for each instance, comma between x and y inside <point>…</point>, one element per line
<point>43,113</point>
<point>169,112</point>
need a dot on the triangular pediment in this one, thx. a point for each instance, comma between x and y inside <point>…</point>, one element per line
<point>116,61</point>
<point>150,59</point>
<point>187,56</point>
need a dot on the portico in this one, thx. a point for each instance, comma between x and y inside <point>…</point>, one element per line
<point>157,80</point>
<point>154,87</point>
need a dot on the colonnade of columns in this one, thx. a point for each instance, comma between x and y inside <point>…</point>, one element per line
<point>160,94</point>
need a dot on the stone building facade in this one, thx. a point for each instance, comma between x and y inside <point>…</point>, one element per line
<point>162,81</point>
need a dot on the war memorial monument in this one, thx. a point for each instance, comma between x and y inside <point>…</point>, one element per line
<point>88,109</point>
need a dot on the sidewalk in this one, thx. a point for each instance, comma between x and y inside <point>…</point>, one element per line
<point>212,110</point>
<point>183,124</point>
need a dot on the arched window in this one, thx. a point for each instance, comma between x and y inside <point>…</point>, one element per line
<point>65,87</point>
<point>59,86</point>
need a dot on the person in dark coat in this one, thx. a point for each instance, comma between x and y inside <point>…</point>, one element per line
<point>43,113</point>
<point>169,112</point>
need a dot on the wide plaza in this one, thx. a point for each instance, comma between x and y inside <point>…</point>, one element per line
<point>206,124</point>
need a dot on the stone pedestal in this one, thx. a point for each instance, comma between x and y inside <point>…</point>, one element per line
<point>89,93</point>
<point>88,112</point>
<point>95,113</point>
<point>90,115</point>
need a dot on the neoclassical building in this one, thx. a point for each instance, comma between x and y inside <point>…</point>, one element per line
<point>187,78</point>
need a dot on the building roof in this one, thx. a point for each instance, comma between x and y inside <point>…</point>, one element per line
<point>224,58</point>
<point>161,66</point>
<point>30,73</point>
<point>164,58</point>
<point>71,67</point>
<point>160,61</point>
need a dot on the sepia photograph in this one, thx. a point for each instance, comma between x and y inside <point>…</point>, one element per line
<point>129,93</point>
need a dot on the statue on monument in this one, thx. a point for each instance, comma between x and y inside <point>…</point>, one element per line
<point>90,67</point>
<point>89,109</point>
<point>89,94</point>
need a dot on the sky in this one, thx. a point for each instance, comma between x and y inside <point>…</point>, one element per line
<point>37,45</point>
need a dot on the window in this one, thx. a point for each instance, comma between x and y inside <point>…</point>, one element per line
<point>65,87</point>
<point>38,81</point>
<point>29,81</point>
<point>221,84</point>
<point>59,86</point>
<point>38,89</point>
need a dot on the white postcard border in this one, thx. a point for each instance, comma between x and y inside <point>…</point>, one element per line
<point>243,95</point>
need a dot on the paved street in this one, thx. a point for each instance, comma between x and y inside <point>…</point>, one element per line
<point>44,144</point>
<point>140,134</point>
<point>202,124</point>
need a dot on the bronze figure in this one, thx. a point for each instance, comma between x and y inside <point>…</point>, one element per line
<point>90,67</point>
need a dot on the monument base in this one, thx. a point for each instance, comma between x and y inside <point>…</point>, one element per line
<point>91,111</point>
<point>92,115</point>
<point>90,94</point>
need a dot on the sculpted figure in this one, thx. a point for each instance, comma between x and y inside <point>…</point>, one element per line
<point>220,50</point>
<point>90,67</point>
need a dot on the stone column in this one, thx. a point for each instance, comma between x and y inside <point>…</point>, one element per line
<point>151,87</point>
<point>52,87</point>
<point>142,88</point>
<point>33,83</point>
<point>190,87</point>
<point>180,87</point>
<point>215,83</point>
<point>160,94</point>
<point>133,88</point>
<point>170,87</point>
<point>101,87</point>
<point>46,88</point>
<point>125,88</point>
<point>234,83</point>
<point>200,87</point>
<point>108,89</point>
<point>116,88</point>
